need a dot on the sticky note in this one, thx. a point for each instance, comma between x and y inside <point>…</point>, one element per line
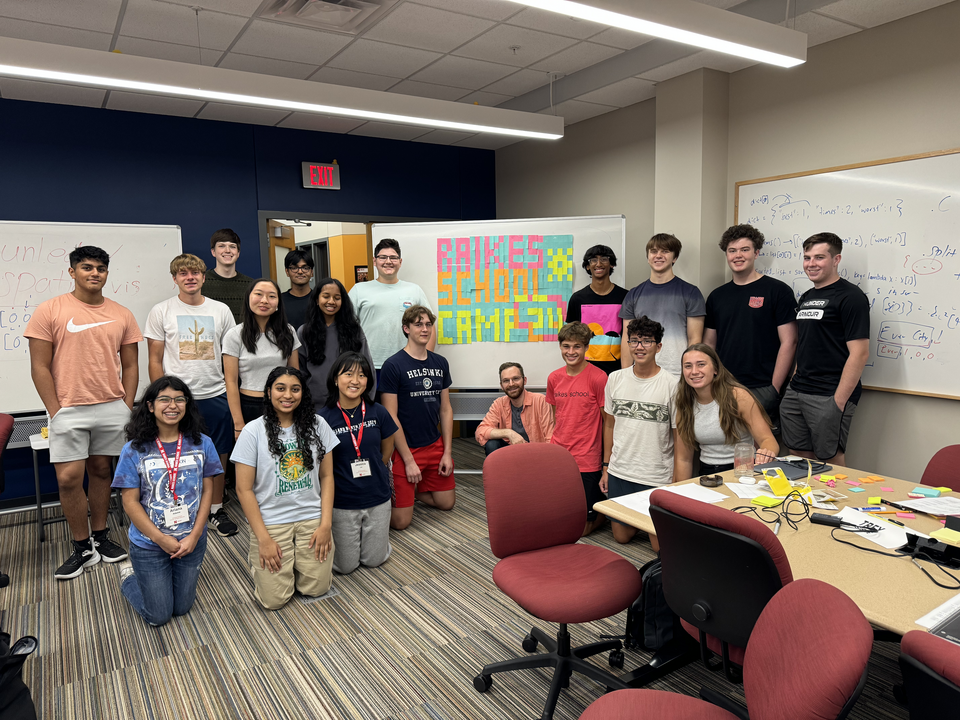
<point>856,489</point>
<point>914,495</point>
<point>951,537</point>
<point>874,500</point>
<point>864,480</point>
<point>945,489</point>
<point>886,489</point>
<point>852,482</point>
<point>926,491</point>
<point>827,477</point>
<point>767,501</point>
<point>831,483</point>
<point>908,516</point>
<point>840,476</point>
<point>817,477</point>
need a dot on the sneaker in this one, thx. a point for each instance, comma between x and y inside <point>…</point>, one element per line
<point>221,522</point>
<point>126,569</point>
<point>108,549</point>
<point>84,555</point>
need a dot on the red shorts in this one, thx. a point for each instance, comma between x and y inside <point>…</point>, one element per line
<point>428,460</point>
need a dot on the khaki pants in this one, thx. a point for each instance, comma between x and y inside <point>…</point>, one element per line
<point>299,567</point>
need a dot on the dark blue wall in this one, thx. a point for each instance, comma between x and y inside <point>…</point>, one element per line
<point>60,163</point>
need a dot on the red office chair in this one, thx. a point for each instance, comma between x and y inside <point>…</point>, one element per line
<point>931,675</point>
<point>719,571</point>
<point>535,512</point>
<point>943,470</point>
<point>786,671</point>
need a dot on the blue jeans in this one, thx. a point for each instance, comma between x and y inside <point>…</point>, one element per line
<point>160,587</point>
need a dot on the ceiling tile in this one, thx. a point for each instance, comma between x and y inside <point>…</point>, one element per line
<point>246,8</point>
<point>557,23</point>
<point>153,104</point>
<point>242,114</point>
<point>492,9</point>
<point>390,131</point>
<point>620,38</point>
<point>427,28</point>
<point>98,15</point>
<point>870,13</point>
<point>322,123</point>
<point>519,83</point>
<point>495,45</point>
<point>336,76</point>
<point>178,24</point>
<point>574,111</point>
<point>481,97</point>
<point>284,41</point>
<point>623,93</point>
<point>462,72</point>
<point>444,137</point>
<point>820,29</point>
<point>166,51</point>
<point>382,59</point>
<point>266,66</point>
<point>575,58</point>
<point>54,34</point>
<point>489,141</point>
<point>427,90</point>
<point>34,91</point>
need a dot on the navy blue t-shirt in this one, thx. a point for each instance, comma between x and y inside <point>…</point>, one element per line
<point>417,385</point>
<point>364,492</point>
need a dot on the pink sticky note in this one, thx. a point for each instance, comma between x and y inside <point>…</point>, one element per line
<point>831,483</point>
<point>852,482</point>
<point>886,489</point>
<point>908,516</point>
<point>816,477</point>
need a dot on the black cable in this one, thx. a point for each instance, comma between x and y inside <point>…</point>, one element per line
<point>786,515</point>
<point>913,558</point>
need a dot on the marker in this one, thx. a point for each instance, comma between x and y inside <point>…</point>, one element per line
<point>870,508</point>
<point>776,528</point>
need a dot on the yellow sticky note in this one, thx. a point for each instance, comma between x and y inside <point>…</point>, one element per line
<point>766,501</point>
<point>945,489</point>
<point>875,500</point>
<point>827,478</point>
<point>946,535</point>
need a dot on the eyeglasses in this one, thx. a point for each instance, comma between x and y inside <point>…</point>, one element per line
<point>421,325</point>
<point>300,268</point>
<point>387,258</point>
<point>646,342</point>
<point>599,259</point>
<point>166,400</point>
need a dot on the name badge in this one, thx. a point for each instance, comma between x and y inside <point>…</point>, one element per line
<point>360,468</point>
<point>177,514</point>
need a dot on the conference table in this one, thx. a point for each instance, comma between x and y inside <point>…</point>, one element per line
<point>892,592</point>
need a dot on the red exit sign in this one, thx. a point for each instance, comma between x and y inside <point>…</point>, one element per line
<point>320,176</point>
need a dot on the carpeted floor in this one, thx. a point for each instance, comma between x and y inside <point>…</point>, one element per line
<point>400,641</point>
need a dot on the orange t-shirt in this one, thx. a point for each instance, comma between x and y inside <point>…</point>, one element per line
<point>86,347</point>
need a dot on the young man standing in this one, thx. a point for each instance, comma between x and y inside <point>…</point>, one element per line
<point>833,328</point>
<point>674,303</point>
<point>381,304</point>
<point>414,390</point>
<point>637,434</point>
<point>517,417</point>
<point>598,306</point>
<point>751,321</point>
<point>299,268</point>
<point>576,392</point>
<point>183,338</point>
<point>223,282</point>
<point>83,360</point>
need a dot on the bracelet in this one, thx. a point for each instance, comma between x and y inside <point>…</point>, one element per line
<point>604,464</point>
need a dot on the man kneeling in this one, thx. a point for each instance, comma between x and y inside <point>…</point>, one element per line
<point>518,417</point>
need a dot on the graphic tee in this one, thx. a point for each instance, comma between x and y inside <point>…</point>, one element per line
<point>578,400</point>
<point>826,320</point>
<point>147,471</point>
<point>602,314</point>
<point>746,318</point>
<point>380,308</point>
<point>86,345</point>
<point>254,368</point>
<point>192,337</point>
<point>286,491</point>
<point>362,492</point>
<point>418,385</point>
<point>670,304</point>
<point>643,411</point>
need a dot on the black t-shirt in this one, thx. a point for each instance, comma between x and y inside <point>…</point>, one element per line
<point>295,308</point>
<point>364,492</point>
<point>826,320</point>
<point>602,314</point>
<point>418,385</point>
<point>746,318</point>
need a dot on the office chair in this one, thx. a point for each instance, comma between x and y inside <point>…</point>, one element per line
<point>719,571</point>
<point>786,671</point>
<point>536,511</point>
<point>943,470</point>
<point>6,430</point>
<point>931,675</point>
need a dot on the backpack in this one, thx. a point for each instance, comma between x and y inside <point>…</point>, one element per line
<point>15,700</point>
<point>651,623</point>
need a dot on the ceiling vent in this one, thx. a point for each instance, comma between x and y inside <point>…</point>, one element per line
<point>346,16</point>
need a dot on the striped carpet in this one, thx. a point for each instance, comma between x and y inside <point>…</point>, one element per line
<point>400,641</point>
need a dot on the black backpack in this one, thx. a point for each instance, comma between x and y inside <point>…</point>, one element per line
<point>15,700</point>
<point>651,623</point>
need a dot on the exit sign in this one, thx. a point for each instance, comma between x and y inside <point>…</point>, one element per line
<point>320,176</point>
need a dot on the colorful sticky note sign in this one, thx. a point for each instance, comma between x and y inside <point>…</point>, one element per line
<point>857,489</point>
<point>906,515</point>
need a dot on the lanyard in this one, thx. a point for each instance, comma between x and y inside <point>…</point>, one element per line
<point>359,438</point>
<point>172,471</point>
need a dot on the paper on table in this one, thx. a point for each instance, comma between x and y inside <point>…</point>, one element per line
<point>934,506</point>
<point>889,536</point>
<point>640,501</point>
<point>748,492</point>
<point>941,613</point>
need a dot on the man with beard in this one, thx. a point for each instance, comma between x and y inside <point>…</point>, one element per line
<point>517,417</point>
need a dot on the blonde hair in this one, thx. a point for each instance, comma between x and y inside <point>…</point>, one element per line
<point>186,261</point>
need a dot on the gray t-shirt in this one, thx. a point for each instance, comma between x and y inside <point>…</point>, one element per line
<point>380,307</point>
<point>317,373</point>
<point>256,367</point>
<point>517,422</point>
<point>286,492</point>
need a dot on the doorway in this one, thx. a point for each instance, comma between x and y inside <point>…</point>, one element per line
<point>339,249</point>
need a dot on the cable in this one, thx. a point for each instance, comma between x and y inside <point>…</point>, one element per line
<point>786,515</point>
<point>913,558</point>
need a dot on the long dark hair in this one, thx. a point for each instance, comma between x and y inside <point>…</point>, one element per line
<point>142,427</point>
<point>348,361</point>
<point>304,419</point>
<point>349,333</point>
<point>278,330</point>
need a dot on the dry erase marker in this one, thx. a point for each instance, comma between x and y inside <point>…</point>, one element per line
<point>870,508</point>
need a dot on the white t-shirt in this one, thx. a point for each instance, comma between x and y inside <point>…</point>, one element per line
<point>192,336</point>
<point>380,308</point>
<point>286,492</point>
<point>643,411</point>
<point>254,368</point>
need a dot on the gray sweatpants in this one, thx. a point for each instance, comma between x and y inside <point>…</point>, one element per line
<point>361,537</point>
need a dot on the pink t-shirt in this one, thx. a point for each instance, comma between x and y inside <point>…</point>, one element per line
<point>579,426</point>
<point>86,345</point>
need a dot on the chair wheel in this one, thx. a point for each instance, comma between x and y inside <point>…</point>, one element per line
<point>529,643</point>
<point>482,683</point>
<point>616,659</point>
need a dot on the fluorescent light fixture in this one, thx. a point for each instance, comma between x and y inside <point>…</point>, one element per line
<point>691,23</point>
<point>92,68</point>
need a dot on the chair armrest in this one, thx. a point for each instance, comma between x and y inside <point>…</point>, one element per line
<point>722,701</point>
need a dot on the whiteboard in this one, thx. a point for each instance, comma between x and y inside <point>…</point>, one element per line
<point>34,268</point>
<point>475,365</point>
<point>900,224</point>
